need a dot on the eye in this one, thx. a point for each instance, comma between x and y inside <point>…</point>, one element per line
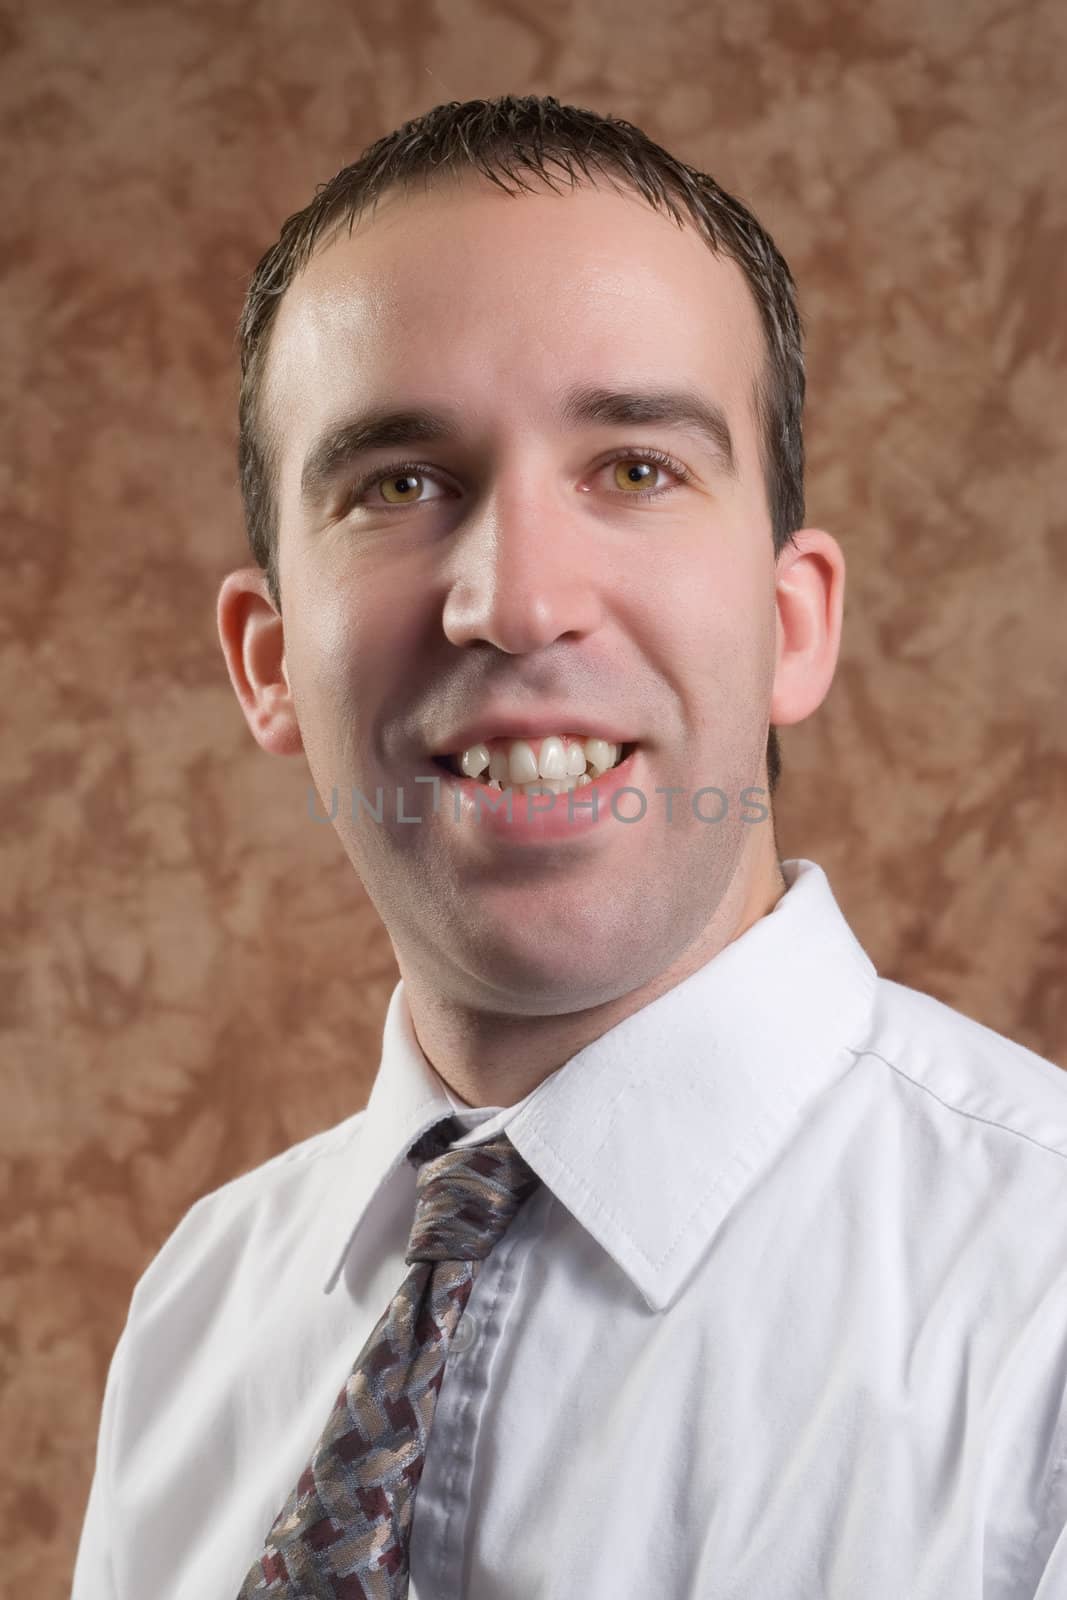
<point>634,471</point>
<point>398,486</point>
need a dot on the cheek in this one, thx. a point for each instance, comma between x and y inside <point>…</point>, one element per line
<point>322,645</point>
<point>352,660</point>
<point>720,641</point>
<point>726,603</point>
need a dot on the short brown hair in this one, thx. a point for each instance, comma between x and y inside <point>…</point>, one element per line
<point>508,138</point>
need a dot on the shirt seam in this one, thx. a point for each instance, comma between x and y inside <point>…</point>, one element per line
<point>961,1111</point>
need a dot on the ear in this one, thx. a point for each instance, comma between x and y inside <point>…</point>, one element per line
<point>253,642</point>
<point>810,601</point>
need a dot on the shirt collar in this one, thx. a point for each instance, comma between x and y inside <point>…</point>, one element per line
<point>689,1098</point>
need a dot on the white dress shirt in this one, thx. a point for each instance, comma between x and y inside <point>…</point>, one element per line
<point>785,1320</point>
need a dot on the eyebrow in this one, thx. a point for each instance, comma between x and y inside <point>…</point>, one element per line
<point>339,446</point>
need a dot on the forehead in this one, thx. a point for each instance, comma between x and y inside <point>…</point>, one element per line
<point>495,303</point>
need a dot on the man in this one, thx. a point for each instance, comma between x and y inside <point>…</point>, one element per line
<point>762,1283</point>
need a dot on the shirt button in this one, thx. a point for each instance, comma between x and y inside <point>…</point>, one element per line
<point>465,1334</point>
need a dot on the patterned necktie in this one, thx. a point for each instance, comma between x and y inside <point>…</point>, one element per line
<point>344,1532</point>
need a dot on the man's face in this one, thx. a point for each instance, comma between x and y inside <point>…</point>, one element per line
<point>522,569</point>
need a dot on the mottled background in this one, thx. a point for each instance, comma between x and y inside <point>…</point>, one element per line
<point>193,978</point>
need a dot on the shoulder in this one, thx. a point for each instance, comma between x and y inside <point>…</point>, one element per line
<point>966,1067</point>
<point>285,1194</point>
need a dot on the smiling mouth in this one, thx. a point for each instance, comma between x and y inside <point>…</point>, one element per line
<point>520,766</point>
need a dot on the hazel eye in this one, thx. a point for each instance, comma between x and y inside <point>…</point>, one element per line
<point>633,469</point>
<point>633,472</point>
<point>398,482</point>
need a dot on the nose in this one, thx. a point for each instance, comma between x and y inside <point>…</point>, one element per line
<point>521,575</point>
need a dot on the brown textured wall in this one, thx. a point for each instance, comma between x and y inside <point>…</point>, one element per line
<point>192,977</point>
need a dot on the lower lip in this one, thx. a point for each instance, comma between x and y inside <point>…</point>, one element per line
<point>534,820</point>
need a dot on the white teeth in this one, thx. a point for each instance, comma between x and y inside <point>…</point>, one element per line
<point>522,763</point>
<point>600,754</point>
<point>474,761</point>
<point>576,761</point>
<point>552,762</point>
<point>567,764</point>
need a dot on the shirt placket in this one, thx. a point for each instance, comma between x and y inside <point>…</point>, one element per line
<point>442,1521</point>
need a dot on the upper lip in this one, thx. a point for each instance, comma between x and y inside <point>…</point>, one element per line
<point>519,725</point>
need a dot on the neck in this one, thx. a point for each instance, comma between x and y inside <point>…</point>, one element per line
<point>492,1058</point>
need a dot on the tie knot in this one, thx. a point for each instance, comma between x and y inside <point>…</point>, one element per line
<point>465,1198</point>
